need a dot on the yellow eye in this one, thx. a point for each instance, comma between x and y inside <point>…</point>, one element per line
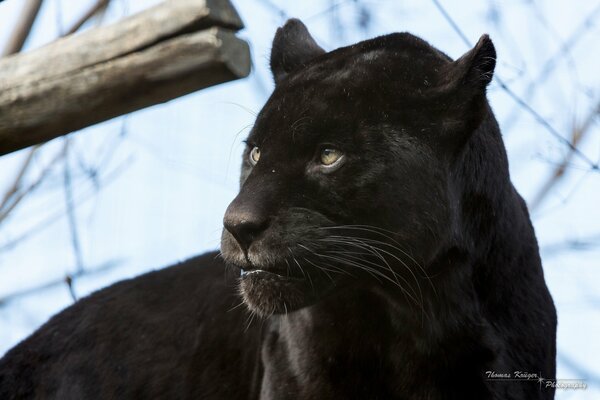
<point>254,155</point>
<point>330,156</point>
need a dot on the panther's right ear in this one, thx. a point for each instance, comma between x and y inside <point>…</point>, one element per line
<point>475,68</point>
<point>293,47</point>
<point>462,95</point>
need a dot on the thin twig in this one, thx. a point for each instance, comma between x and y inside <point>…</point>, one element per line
<point>69,283</point>
<point>70,207</point>
<point>578,134</point>
<point>19,194</point>
<point>542,121</point>
<point>60,281</point>
<point>96,8</point>
<point>23,28</point>
<point>16,185</point>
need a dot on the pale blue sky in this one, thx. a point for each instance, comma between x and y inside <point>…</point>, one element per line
<point>168,180</point>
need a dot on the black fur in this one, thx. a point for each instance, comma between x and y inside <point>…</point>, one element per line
<point>407,271</point>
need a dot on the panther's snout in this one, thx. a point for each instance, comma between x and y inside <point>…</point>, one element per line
<point>245,222</point>
<point>244,227</point>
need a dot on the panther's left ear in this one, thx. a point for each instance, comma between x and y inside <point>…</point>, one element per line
<point>475,68</point>
<point>463,88</point>
<point>293,47</point>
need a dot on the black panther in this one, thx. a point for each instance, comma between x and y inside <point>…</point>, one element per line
<point>377,250</point>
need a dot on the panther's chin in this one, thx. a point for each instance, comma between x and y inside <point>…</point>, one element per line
<point>267,293</point>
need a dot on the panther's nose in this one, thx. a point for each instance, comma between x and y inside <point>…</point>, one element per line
<point>244,225</point>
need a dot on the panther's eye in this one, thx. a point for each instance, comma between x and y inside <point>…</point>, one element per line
<point>254,155</point>
<point>330,156</point>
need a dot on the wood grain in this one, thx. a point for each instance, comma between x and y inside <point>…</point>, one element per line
<point>165,52</point>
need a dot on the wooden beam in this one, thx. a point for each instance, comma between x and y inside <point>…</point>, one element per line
<point>162,53</point>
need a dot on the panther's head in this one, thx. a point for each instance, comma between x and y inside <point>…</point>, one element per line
<point>347,175</point>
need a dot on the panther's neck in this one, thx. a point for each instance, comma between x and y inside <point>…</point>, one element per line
<point>367,344</point>
<point>492,215</point>
<point>498,241</point>
<point>494,250</point>
<point>337,348</point>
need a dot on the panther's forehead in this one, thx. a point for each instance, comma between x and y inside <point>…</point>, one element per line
<point>364,83</point>
<point>300,119</point>
<point>293,127</point>
<point>399,58</point>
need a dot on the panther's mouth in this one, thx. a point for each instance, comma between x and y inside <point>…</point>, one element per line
<point>275,289</point>
<point>268,273</point>
<point>244,272</point>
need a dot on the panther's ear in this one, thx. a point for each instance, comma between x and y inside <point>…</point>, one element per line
<point>293,47</point>
<point>463,92</point>
<point>475,68</point>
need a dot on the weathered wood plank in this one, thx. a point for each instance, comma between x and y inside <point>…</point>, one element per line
<point>131,34</point>
<point>149,58</point>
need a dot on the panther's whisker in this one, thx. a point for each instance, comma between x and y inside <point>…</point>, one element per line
<point>368,242</point>
<point>371,251</point>
<point>421,304</point>
<point>405,266</point>
<point>250,319</point>
<point>376,230</point>
<point>353,256</point>
<point>305,248</point>
<point>338,270</point>
<point>374,251</point>
<point>367,268</point>
<point>237,306</point>
<point>341,270</point>
<point>398,248</point>
<point>333,268</point>
<point>321,269</point>
<point>299,267</point>
<point>354,253</point>
<point>306,275</point>
<point>288,269</point>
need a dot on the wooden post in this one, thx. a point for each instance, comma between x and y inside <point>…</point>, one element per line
<point>165,52</point>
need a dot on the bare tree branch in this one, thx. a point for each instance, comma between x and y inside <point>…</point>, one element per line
<point>21,32</point>
<point>98,7</point>
<point>577,135</point>
<point>19,194</point>
<point>16,185</point>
